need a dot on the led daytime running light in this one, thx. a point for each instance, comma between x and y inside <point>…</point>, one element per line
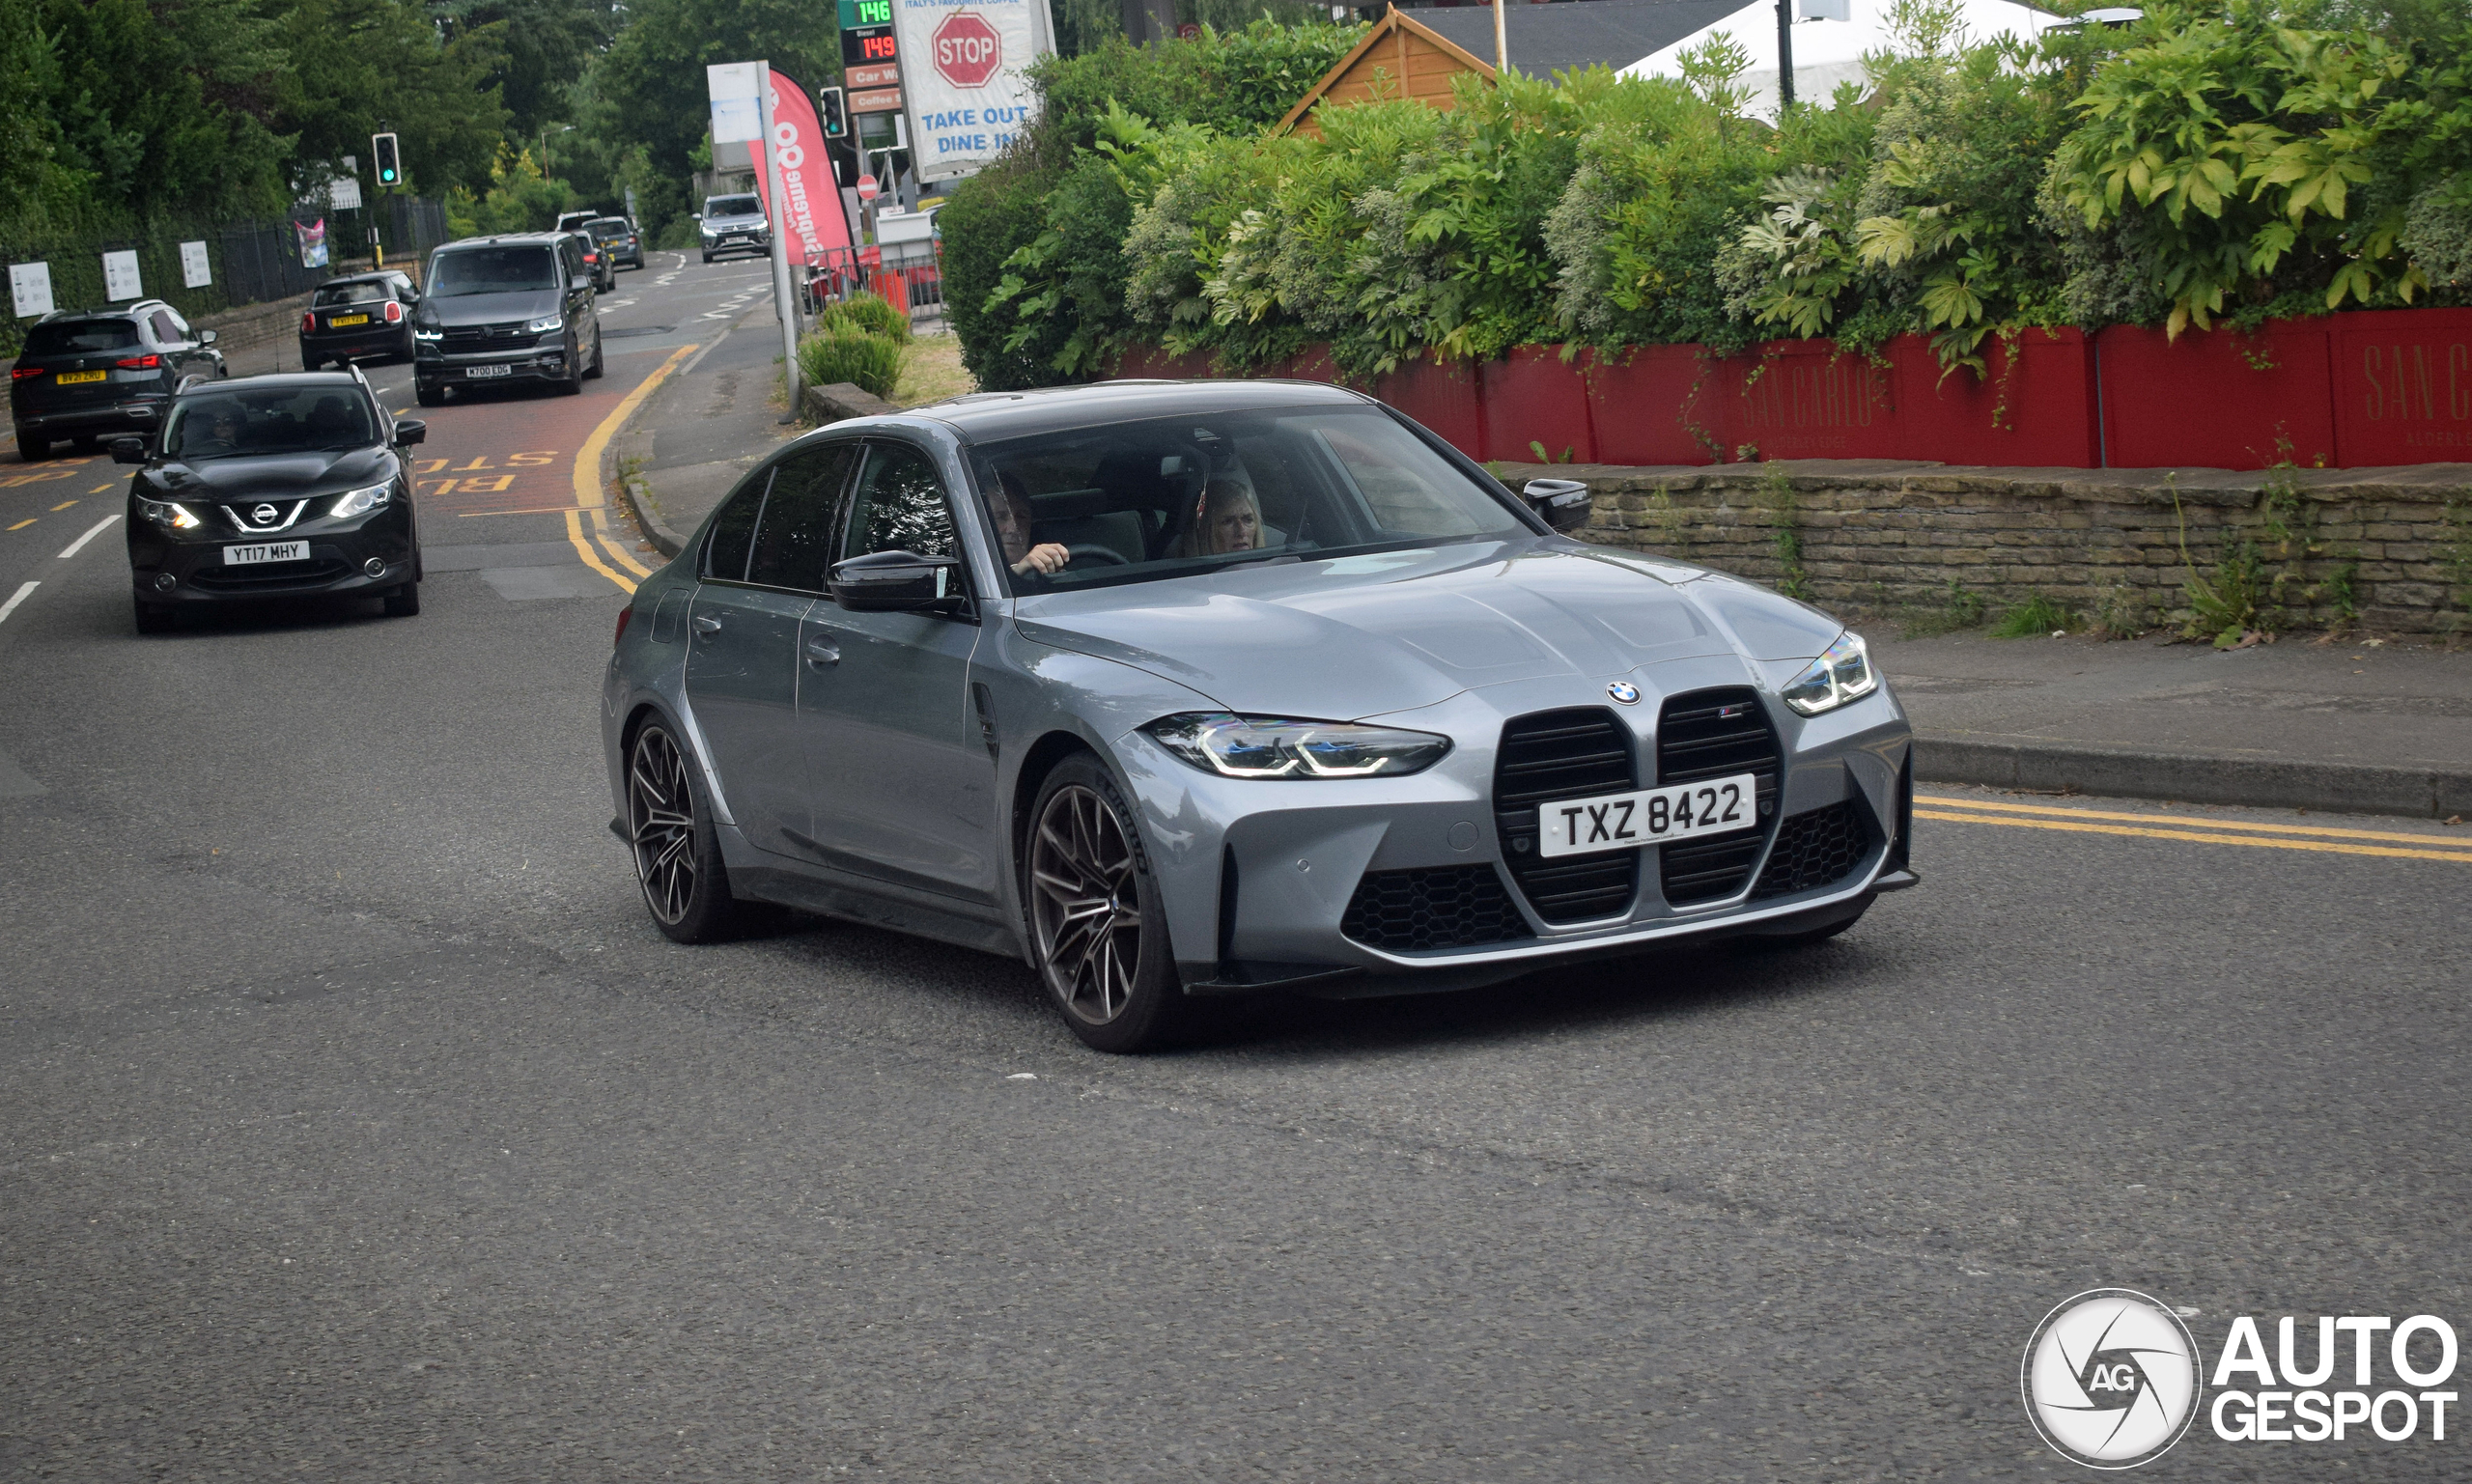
<point>1282,747</point>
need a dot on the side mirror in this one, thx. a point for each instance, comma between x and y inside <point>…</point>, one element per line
<point>128,450</point>
<point>205,337</point>
<point>1565,504</point>
<point>411,431</point>
<point>898,582</point>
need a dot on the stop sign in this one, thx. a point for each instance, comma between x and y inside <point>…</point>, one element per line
<point>965,49</point>
<point>866,187</point>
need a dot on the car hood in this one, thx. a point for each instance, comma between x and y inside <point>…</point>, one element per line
<point>273,475</point>
<point>732,223</point>
<point>1365,635</point>
<point>492,308</point>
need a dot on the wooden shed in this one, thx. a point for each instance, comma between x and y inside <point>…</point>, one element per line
<point>1399,58</point>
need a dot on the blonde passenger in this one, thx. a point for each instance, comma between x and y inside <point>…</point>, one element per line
<point>1229,520</point>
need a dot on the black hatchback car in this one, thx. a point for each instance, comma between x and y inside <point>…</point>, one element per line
<point>273,487</point>
<point>366,314</point>
<point>93,373</point>
<point>513,308</point>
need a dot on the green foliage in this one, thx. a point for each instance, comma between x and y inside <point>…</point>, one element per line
<point>2034,618</point>
<point>2243,158</point>
<point>867,313</point>
<point>845,353</point>
<point>652,77</point>
<point>985,220</point>
<point>1235,81</point>
<point>519,199</point>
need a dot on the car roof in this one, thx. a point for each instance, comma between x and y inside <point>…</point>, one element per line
<point>506,240</point>
<point>277,381</point>
<point>105,312</point>
<point>987,417</point>
<point>375,275</point>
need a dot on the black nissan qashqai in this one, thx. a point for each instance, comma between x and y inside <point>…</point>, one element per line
<point>273,487</point>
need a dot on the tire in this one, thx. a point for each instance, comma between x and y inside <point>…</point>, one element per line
<point>1114,980</point>
<point>708,257</point>
<point>600,363</point>
<point>30,448</point>
<point>669,831</point>
<point>426,394</point>
<point>404,602</point>
<point>152,617</point>
<point>572,384</point>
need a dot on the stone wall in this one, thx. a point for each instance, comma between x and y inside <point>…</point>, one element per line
<point>2388,549</point>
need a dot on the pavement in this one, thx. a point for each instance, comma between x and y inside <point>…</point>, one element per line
<point>2365,724</point>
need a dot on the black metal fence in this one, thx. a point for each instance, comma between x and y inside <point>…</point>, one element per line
<point>248,261</point>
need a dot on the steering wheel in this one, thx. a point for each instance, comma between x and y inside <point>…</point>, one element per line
<point>1098,553</point>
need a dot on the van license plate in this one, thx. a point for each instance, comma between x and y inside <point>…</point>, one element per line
<point>487,370</point>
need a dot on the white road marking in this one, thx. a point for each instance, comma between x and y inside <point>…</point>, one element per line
<point>96,530</point>
<point>11,606</point>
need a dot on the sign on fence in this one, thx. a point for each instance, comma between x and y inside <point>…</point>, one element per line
<point>30,286</point>
<point>966,77</point>
<point>120,277</point>
<point>195,271</point>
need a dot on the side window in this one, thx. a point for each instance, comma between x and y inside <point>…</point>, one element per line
<point>570,259</point>
<point>794,542</point>
<point>166,333</point>
<point>899,506</point>
<point>733,531</point>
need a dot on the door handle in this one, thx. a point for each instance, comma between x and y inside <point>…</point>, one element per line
<point>705,623</point>
<point>822,652</point>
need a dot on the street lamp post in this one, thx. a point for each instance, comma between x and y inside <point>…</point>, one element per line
<point>1784,57</point>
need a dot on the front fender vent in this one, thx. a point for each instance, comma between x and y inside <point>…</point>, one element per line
<point>1814,849</point>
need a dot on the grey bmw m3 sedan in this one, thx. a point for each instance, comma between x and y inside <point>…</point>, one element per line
<point>1179,690</point>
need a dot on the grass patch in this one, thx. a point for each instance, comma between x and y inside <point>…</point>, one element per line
<point>931,370</point>
<point>2034,618</point>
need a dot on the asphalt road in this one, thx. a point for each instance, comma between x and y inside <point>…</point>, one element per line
<point>355,1123</point>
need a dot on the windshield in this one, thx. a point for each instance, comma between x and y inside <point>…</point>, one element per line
<point>1134,502</point>
<point>493,270</point>
<point>367,292</point>
<point>67,337</point>
<point>733,206</point>
<point>273,420</point>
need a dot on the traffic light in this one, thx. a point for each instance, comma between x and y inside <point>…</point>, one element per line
<point>829,110</point>
<point>390,165</point>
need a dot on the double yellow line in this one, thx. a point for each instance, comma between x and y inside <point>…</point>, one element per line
<point>588,494</point>
<point>2203,831</point>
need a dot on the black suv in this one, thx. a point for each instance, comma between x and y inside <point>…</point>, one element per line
<point>506,308</point>
<point>619,240</point>
<point>273,487</point>
<point>366,314</point>
<point>90,373</point>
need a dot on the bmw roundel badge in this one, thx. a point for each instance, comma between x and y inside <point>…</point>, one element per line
<point>1624,691</point>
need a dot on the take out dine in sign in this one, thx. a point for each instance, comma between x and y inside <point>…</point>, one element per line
<point>964,70</point>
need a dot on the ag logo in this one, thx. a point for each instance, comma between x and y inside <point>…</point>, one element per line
<point>2111,1379</point>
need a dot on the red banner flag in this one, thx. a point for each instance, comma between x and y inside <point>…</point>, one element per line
<point>815,222</point>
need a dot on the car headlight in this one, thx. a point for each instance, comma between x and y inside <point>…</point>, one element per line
<point>168,514</point>
<point>1841,675</point>
<point>421,334</point>
<point>1282,747</point>
<point>354,502</point>
<point>545,326</point>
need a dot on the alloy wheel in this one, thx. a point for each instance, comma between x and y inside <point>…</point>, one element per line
<point>1085,905</point>
<point>660,824</point>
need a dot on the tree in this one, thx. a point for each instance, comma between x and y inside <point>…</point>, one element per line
<point>360,65</point>
<point>653,75</point>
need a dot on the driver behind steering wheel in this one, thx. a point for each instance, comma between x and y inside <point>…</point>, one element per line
<point>1013,518</point>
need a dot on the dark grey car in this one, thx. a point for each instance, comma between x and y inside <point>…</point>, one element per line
<point>102,372</point>
<point>503,309</point>
<point>1184,690</point>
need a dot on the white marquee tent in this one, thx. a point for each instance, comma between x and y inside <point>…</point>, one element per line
<point>1828,49</point>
